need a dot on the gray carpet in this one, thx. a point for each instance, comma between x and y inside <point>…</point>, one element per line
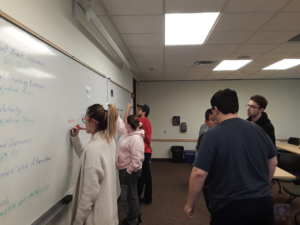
<point>170,188</point>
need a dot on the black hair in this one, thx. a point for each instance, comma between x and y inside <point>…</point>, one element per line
<point>207,113</point>
<point>260,100</point>
<point>226,101</point>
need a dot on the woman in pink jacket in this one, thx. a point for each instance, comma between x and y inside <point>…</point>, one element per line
<point>129,160</point>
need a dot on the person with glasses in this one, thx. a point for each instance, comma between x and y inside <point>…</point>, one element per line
<point>210,121</point>
<point>256,112</point>
<point>238,159</point>
<point>95,200</point>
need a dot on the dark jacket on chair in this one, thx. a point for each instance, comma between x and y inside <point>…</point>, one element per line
<point>266,125</point>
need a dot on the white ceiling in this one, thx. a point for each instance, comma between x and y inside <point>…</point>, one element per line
<point>255,28</point>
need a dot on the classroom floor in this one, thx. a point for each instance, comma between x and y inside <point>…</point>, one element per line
<point>170,188</point>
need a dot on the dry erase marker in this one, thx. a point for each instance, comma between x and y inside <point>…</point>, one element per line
<point>78,127</point>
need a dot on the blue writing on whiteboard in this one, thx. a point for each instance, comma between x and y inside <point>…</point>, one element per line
<point>11,206</point>
<point>17,53</point>
<point>37,85</point>
<point>4,48</point>
<point>17,80</point>
<point>23,166</point>
<point>4,202</point>
<point>8,61</point>
<point>33,60</point>
<point>10,109</point>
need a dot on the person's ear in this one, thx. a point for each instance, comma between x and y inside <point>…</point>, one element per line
<point>261,109</point>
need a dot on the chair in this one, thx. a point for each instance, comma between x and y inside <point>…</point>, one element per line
<point>289,162</point>
<point>294,167</point>
<point>294,141</point>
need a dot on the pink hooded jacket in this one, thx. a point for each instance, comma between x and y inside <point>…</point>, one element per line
<point>130,148</point>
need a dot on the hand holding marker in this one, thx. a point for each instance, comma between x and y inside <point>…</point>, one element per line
<point>75,130</point>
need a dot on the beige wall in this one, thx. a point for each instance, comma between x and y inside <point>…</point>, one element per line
<point>53,20</point>
<point>189,100</point>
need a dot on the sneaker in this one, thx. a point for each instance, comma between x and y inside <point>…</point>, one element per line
<point>146,202</point>
<point>126,223</point>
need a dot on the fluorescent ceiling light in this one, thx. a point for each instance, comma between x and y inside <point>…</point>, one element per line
<point>231,65</point>
<point>188,28</point>
<point>283,64</point>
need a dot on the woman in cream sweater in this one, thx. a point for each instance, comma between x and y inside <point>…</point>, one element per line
<point>129,160</point>
<point>95,199</point>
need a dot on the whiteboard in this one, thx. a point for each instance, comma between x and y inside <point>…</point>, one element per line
<point>42,93</point>
<point>120,98</point>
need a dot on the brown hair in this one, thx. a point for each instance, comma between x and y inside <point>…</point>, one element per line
<point>106,119</point>
<point>134,122</point>
<point>260,100</point>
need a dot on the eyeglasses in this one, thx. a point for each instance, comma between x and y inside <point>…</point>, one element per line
<point>84,119</point>
<point>212,119</point>
<point>252,106</point>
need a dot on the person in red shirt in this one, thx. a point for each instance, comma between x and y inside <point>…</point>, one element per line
<point>145,178</point>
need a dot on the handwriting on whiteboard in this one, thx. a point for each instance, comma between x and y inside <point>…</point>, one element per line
<point>12,205</point>
<point>23,166</point>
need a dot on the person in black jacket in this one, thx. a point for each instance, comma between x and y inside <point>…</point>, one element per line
<point>256,112</point>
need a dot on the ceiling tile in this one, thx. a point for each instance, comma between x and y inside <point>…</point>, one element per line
<point>217,75</point>
<point>194,6</point>
<point>155,70</point>
<point>255,5</point>
<point>273,55</point>
<point>182,50</point>
<point>242,21</point>
<point>240,74</point>
<point>148,58</point>
<point>296,75</point>
<point>255,48</point>
<point>283,21</point>
<point>143,39</point>
<point>295,68</point>
<point>153,78</point>
<point>228,37</point>
<point>180,77</point>
<point>297,56</point>
<point>150,64</point>
<point>271,36</point>
<point>282,74</point>
<point>139,24</point>
<point>287,47</point>
<point>133,7</point>
<point>180,63</point>
<point>210,49</point>
<point>260,74</point>
<point>196,73</point>
<point>96,6</point>
<point>148,74</point>
<point>294,5</point>
<point>213,57</point>
<point>149,50</point>
<point>117,39</point>
<point>262,62</point>
<point>107,24</point>
<point>252,55</point>
<point>171,71</point>
<point>174,58</point>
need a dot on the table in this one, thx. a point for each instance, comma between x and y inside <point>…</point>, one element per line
<point>282,174</point>
<point>288,147</point>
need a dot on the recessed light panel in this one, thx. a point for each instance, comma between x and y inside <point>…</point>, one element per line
<point>188,28</point>
<point>283,64</point>
<point>226,65</point>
